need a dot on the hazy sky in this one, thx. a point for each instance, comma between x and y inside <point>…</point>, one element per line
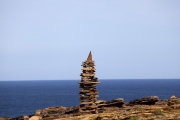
<point>129,39</point>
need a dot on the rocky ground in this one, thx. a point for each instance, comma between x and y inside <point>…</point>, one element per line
<point>148,108</point>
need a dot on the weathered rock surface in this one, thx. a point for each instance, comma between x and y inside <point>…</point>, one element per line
<point>148,108</point>
<point>5,118</point>
<point>116,102</point>
<point>150,100</point>
<point>35,118</point>
<point>51,111</point>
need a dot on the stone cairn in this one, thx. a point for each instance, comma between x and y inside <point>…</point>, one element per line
<point>88,92</point>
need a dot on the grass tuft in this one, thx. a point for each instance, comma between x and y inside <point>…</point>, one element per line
<point>158,112</point>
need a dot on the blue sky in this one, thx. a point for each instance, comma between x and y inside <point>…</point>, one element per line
<point>49,39</point>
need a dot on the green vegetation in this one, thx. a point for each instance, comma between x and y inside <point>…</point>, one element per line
<point>140,109</point>
<point>133,118</point>
<point>158,112</point>
<point>177,102</point>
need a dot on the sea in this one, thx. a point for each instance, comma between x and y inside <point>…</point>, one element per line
<point>25,97</point>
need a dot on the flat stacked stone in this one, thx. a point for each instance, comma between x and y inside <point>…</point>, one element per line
<point>88,91</point>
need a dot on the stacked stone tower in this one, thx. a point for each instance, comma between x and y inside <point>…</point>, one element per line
<point>88,92</point>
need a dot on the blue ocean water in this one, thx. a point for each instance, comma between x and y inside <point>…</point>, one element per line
<point>25,97</point>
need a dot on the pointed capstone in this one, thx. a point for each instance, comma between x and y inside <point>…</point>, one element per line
<point>90,57</point>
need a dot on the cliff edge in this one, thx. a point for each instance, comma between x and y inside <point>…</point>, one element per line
<point>147,108</point>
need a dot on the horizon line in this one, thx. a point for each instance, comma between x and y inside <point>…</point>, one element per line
<point>101,79</point>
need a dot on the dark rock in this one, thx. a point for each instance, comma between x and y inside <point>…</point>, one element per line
<point>150,100</point>
<point>115,102</point>
<point>73,109</point>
